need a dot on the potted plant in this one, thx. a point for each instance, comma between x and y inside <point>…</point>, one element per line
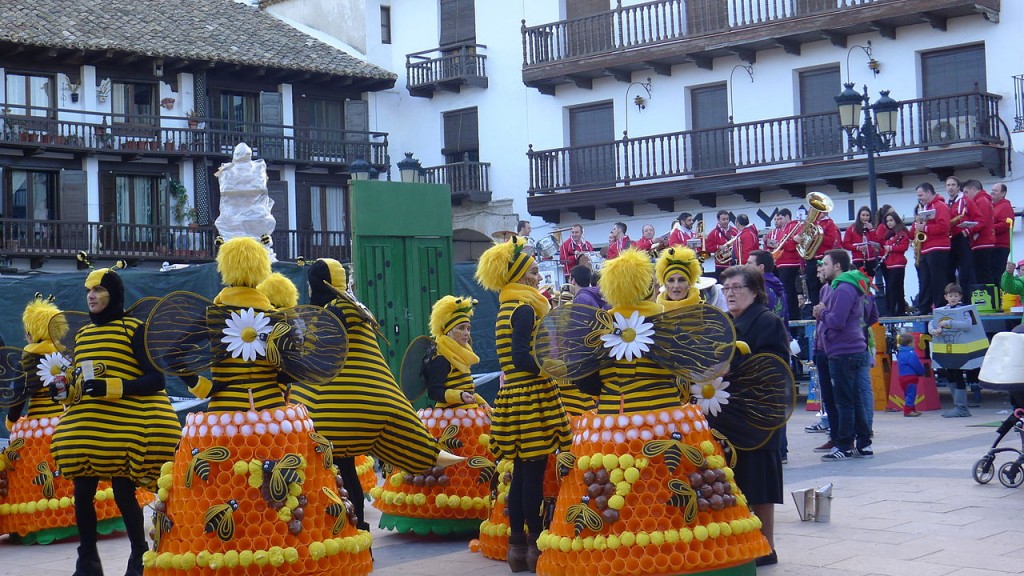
<point>193,119</point>
<point>184,213</point>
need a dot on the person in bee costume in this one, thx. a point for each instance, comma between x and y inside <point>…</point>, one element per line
<point>422,503</point>
<point>26,466</point>
<point>119,424</point>
<point>362,410</point>
<point>648,486</point>
<point>253,486</point>
<point>529,422</point>
<point>677,270</point>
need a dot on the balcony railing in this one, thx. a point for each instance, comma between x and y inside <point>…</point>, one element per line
<point>446,69</point>
<point>22,238</point>
<point>467,179</point>
<point>82,131</point>
<point>923,123</point>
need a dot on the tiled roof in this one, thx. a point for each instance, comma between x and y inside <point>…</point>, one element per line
<point>197,30</point>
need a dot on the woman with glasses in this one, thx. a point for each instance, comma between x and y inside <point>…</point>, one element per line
<point>759,471</point>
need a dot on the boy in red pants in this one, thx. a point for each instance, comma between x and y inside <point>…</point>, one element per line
<point>910,369</point>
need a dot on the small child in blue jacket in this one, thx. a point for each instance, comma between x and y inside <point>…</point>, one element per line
<point>910,369</point>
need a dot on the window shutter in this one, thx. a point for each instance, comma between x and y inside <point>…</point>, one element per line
<point>278,192</point>
<point>357,117</point>
<point>458,22</point>
<point>73,196</point>
<point>461,131</point>
<point>271,112</point>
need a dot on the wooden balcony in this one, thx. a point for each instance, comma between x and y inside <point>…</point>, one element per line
<point>39,240</point>
<point>445,69</point>
<point>36,131</point>
<point>655,36</point>
<point>467,180</point>
<point>937,135</point>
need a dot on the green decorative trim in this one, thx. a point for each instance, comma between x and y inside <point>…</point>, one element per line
<point>427,526</point>
<point>51,535</point>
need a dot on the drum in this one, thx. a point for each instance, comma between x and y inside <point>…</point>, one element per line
<point>594,258</point>
<point>551,274</point>
<point>530,248</point>
<point>547,247</point>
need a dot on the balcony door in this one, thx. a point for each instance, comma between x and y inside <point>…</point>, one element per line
<point>133,109</point>
<point>592,146</point>
<point>320,219</point>
<point>31,197</point>
<point>944,75</point>
<point>821,136</point>
<point>132,208</point>
<point>462,151</point>
<point>706,16</point>
<point>711,138</point>
<point>588,27</point>
<point>31,102</point>
<point>458,34</point>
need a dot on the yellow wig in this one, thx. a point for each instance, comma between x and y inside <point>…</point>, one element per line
<point>243,261</point>
<point>281,291</point>
<point>36,319</point>
<point>677,260</point>
<point>626,279</point>
<point>503,264</point>
<point>449,312</point>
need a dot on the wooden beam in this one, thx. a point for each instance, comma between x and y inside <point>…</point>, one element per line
<point>551,216</point>
<point>893,179</point>
<point>842,184</point>
<point>547,90</point>
<point>585,212</point>
<point>581,81</point>
<point>620,74</point>
<point>703,62</point>
<point>667,204</point>
<point>789,46</point>
<point>706,200</point>
<point>795,190</point>
<point>623,208</point>
<point>659,68</point>
<point>752,195</point>
<point>127,59</point>
<point>937,21</point>
<point>837,39</point>
<point>176,65</point>
<point>746,54</point>
<point>943,172</point>
<point>884,29</point>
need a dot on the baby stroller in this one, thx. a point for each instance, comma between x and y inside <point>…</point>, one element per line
<point>1011,474</point>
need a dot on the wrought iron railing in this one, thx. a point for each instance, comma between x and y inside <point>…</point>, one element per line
<point>625,27</point>
<point>923,123</point>
<point>437,65</point>
<point>470,179</point>
<point>56,239</point>
<point>77,130</point>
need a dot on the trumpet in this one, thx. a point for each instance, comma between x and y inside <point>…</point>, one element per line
<point>702,254</point>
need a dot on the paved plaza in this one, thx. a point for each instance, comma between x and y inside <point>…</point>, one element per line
<point>911,510</point>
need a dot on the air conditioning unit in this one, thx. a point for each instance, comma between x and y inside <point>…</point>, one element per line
<point>952,129</point>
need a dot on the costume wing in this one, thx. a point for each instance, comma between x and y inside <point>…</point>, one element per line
<point>15,384</point>
<point>178,334</point>
<point>696,342</point>
<point>568,342</point>
<point>762,397</point>
<point>411,376</point>
<point>142,308</point>
<point>363,312</point>
<point>67,325</point>
<point>308,342</point>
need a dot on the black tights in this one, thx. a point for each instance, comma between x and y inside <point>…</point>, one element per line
<point>124,497</point>
<point>525,496</point>
<point>347,468</point>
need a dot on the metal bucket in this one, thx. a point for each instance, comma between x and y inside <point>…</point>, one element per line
<point>823,503</point>
<point>804,500</point>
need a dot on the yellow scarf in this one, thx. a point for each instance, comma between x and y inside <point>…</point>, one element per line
<point>461,357</point>
<point>41,348</point>
<point>528,294</point>
<point>243,297</point>
<point>692,298</point>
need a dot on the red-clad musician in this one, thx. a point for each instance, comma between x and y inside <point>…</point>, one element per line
<point>1002,224</point>
<point>934,263</point>
<point>861,240</point>
<point>647,242</point>
<point>747,241</point>
<point>682,233</point>
<point>723,232</point>
<point>787,260</point>
<point>831,239</point>
<point>570,250</point>
<point>895,242</point>
<point>617,240</point>
<point>983,235</point>
<point>961,209</point>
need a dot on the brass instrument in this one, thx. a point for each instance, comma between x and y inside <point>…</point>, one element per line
<point>724,253</point>
<point>702,254</point>
<point>919,238</point>
<point>809,239</point>
<point>777,251</point>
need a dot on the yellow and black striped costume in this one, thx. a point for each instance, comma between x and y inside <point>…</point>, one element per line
<point>362,410</point>
<point>640,385</point>
<point>574,401</point>
<point>131,436</point>
<point>529,420</point>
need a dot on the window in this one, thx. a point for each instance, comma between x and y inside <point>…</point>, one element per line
<point>31,196</point>
<point>954,71</point>
<point>461,139</point>
<point>588,28</point>
<point>820,134</point>
<point>29,95</point>
<point>327,205</point>
<point>240,111</point>
<point>134,103</point>
<point>712,134</point>
<point>385,24</point>
<point>458,22</point>
<point>592,131</point>
<point>139,200</point>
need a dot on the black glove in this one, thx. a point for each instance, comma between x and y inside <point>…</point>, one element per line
<point>190,380</point>
<point>94,387</point>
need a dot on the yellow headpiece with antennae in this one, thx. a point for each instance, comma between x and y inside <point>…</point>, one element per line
<point>503,264</point>
<point>449,312</point>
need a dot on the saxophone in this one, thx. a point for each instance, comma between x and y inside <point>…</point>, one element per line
<point>703,253</point>
<point>919,236</point>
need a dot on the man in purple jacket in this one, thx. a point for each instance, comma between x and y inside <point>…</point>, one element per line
<point>842,320</point>
<point>582,281</point>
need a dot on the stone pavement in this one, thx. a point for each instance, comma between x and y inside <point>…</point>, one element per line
<point>913,509</point>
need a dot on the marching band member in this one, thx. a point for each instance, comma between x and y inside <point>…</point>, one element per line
<point>617,240</point>
<point>718,236</point>
<point>830,241</point>
<point>570,250</point>
<point>935,248</point>
<point>961,209</point>
<point>787,261</point>
<point>982,235</point>
<point>1002,223</point>
<point>683,232</point>
<point>878,235</point>
<point>859,239</point>
<point>747,242</point>
<point>894,256</point>
<point>646,242</point>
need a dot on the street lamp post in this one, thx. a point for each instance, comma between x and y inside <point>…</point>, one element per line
<point>874,135</point>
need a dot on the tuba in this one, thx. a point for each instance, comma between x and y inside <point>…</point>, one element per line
<point>809,239</point>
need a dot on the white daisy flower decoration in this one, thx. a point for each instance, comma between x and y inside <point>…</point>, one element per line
<point>246,334</point>
<point>710,396</point>
<point>49,366</point>
<point>630,338</point>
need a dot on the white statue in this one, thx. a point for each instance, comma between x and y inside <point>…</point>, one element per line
<point>245,205</point>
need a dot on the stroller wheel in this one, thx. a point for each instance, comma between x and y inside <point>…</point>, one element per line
<point>1011,475</point>
<point>984,471</point>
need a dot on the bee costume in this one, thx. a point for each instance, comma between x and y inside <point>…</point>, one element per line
<point>27,469</point>
<point>529,422</point>
<point>252,487</point>
<point>119,424</point>
<point>647,487</point>
<point>453,500</point>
